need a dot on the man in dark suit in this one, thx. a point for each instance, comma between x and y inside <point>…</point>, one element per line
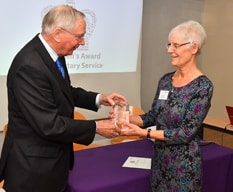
<point>37,152</point>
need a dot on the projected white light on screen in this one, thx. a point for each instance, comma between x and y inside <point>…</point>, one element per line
<point>112,38</point>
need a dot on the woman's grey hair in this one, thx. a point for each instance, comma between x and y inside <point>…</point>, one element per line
<point>63,16</point>
<point>190,31</point>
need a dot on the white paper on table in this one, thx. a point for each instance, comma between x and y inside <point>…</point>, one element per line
<point>137,162</point>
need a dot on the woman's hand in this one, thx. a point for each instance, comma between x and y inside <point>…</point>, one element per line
<point>132,129</point>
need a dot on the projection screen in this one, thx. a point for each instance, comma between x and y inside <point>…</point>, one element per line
<point>111,41</point>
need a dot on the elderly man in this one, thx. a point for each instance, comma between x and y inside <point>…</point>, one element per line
<point>37,152</point>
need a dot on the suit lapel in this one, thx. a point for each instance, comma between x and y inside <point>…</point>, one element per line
<point>64,83</point>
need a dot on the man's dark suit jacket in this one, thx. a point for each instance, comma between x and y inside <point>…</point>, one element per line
<point>38,146</point>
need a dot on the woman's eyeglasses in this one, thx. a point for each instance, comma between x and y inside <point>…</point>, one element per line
<point>176,45</point>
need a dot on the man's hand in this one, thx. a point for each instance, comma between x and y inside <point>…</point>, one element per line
<point>107,129</point>
<point>111,99</point>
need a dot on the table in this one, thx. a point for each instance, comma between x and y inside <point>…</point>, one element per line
<point>217,168</point>
<point>221,124</point>
<point>100,169</point>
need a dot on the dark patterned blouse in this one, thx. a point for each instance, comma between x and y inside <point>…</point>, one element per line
<point>179,111</point>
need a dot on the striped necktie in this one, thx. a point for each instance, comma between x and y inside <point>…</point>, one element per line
<point>60,67</point>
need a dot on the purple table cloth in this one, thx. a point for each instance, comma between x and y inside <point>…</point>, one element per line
<point>100,169</point>
<point>217,168</point>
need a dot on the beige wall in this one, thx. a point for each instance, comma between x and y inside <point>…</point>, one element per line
<point>3,102</point>
<point>218,51</point>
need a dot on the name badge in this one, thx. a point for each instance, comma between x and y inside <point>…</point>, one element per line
<point>163,95</point>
